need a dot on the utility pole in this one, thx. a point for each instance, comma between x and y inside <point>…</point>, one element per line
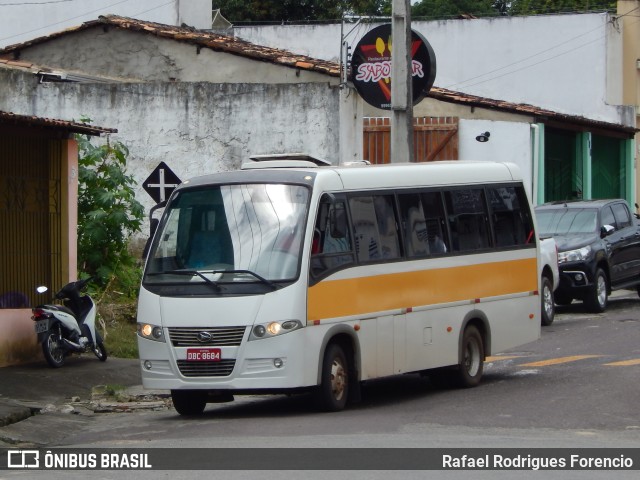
<point>401,83</point>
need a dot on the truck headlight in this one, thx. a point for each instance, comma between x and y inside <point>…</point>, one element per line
<point>151,332</point>
<point>272,329</point>
<point>574,255</point>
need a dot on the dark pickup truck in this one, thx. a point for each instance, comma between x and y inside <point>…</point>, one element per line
<point>598,248</point>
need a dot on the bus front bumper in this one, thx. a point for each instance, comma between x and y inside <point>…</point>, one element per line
<point>267,364</point>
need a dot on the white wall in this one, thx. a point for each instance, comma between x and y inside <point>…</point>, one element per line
<point>140,56</point>
<point>567,63</point>
<point>195,128</point>
<point>23,21</point>
<point>508,142</point>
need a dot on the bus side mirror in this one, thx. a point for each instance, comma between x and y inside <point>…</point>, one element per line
<point>338,221</point>
<point>153,226</point>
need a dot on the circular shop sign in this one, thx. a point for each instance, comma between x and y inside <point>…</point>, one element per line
<point>371,67</point>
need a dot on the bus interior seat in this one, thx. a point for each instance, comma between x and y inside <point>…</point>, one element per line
<point>203,251</point>
<point>467,236</point>
<point>365,227</point>
<point>417,238</point>
<point>505,232</point>
<point>211,244</point>
<point>435,236</point>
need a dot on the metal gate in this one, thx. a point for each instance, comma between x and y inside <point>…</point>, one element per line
<point>31,235</point>
<point>434,138</point>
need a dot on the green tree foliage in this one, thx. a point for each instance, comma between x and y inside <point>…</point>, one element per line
<point>453,8</point>
<point>271,11</point>
<point>237,11</point>
<point>108,212</point>
<point>533,7</point>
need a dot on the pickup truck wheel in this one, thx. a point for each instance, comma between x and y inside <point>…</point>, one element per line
<point>596,300</point>
<point>546,297</point>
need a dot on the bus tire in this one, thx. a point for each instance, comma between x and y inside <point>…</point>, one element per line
<point>189,402</point>
<point>469,370</point>
<point>332,393</point>
<point>548,302</point>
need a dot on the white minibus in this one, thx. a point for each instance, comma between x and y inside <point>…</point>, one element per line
<point>292,275</point>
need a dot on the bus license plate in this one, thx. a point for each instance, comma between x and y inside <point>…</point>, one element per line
<point>42,326</point>
<point>203,355</point>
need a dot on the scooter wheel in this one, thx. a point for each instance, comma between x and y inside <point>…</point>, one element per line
<point>54,353</point>
<point>100,351</point>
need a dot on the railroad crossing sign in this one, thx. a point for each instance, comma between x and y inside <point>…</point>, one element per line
<point>161,183</point>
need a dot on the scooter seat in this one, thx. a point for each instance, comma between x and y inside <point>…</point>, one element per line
<point>61,308</point>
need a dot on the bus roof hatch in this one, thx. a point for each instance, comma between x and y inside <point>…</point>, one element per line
<point>320,162</point>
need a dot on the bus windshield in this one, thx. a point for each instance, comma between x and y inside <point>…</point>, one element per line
<point>230,233</point>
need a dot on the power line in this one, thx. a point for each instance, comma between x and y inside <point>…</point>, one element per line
<point>33,3</point>
<point>530,65</point>
<point>154,8</point>
<point>64,21</point>
<point>463,82</point>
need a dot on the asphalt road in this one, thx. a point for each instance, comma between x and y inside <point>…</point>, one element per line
<point>577,387</point>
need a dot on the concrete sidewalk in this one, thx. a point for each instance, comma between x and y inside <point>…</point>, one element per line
<point>37,401</point>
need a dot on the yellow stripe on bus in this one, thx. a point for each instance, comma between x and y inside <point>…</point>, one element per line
<point>365,295</point>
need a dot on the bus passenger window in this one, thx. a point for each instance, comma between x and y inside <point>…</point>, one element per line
<point>435,219</point>
<point>467,219</point>
<point>330,247</point>
<point>511,218</point>
<point>414,225</point>
<point>375,227</point>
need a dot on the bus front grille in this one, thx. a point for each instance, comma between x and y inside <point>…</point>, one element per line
<point>223,368</point>
<point>206,336</point>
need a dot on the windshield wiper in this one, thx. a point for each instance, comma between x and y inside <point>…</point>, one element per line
<point>253,274</point>
<point>213,283</point>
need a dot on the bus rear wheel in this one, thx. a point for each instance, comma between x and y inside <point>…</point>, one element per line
<point>470,368</point>
<point>189,402</point>
<point>332,393</point>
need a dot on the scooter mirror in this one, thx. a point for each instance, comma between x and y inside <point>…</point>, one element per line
<point>41,289</point>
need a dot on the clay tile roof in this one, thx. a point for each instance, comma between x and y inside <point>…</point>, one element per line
<point>541,114</point>
<point>202,38</point>
<point>30,120</point>
<point>236,46</point>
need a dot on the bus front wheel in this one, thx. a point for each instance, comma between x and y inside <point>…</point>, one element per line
<point>189,402</point>
<point>469,371</point>
<point>331,395</point>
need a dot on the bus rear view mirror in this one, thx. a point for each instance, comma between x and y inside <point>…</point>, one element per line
<point>153,226</point>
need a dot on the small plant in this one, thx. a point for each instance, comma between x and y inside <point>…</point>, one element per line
<point>108,212</point>
<point>120,339</point>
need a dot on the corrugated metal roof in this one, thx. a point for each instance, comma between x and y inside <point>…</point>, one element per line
<point>33,121</point>
<point>202,38</point>
<point>59,75</point>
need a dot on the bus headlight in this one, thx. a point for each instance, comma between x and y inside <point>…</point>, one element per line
<point>272,329</point>
<point>150,332</point>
